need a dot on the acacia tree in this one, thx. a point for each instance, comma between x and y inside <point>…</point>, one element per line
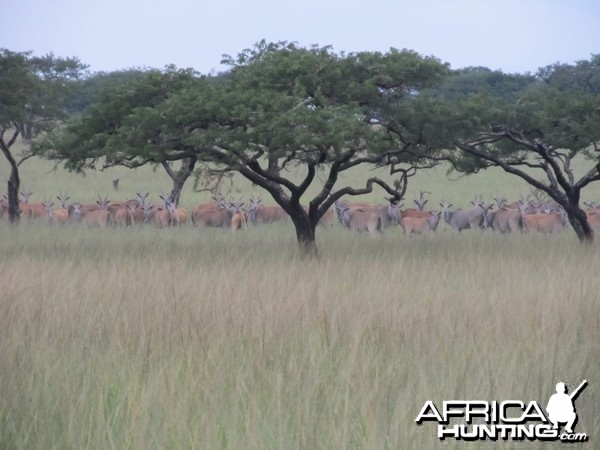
<point>313,110</point>
<point>126,125</point>
<point>554,120</point>
<point>32,97</point>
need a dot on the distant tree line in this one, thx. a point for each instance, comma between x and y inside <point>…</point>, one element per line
<point>281,105</point>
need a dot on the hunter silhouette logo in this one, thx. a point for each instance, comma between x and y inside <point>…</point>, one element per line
<point>471,420</point>
<point>560,406</point>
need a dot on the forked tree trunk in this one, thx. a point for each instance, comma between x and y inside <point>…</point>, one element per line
<point>14,182</point>
<point>180,177</point>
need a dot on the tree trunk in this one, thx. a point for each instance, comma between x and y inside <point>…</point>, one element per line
<point>579,222</point>
<point>14,183</point>
<point>180,177</point>
<point>305,232</point>
<point>14,212</point>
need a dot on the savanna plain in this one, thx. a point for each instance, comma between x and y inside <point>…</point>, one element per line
<point>146,338</point>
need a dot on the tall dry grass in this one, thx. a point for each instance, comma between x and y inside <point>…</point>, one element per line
<point>142,339</point>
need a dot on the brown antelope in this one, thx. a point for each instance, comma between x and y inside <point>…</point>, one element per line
<point>389,213</point>
<point>63,198</point>
<point>419,225</point>
<point>259,214</point>
<point>60,216</point>
<point>216,203</point>
<point>178,215</point>
<point>37,210</point>
<point>546,222</point>
<point>360,220</point>
<point>213,217</point>
<point>160,217</point>
<point>412,212</point>
<point>126,215</point>
<point>92,218</point>
<point>238,220</point>
<point>593,214</point>
<point>26,212</point>
<point>100,204</point>
<point>509,220</point>
<point>327,219</point>
<point>418,212</point>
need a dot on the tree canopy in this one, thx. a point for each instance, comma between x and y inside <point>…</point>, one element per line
<point>536,134</point>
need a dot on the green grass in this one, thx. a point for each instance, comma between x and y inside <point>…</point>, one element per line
<point>145,339</point>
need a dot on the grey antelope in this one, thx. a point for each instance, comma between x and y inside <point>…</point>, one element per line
<point>421,201</point>
<point>463,219</point>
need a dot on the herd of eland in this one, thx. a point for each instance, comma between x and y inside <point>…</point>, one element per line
<point>523,215</point>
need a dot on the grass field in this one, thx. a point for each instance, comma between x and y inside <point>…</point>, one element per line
<point>148,339</point>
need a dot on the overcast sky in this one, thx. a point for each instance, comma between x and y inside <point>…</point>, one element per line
<point>510,35</point>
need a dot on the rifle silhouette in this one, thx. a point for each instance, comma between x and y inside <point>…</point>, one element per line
<point>578,390</point>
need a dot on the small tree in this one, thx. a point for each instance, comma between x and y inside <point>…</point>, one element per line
<point>536,137</point>
<point>32,96</point>
<point>129,123</point>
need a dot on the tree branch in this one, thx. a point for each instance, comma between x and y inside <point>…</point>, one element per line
<point>169,170</point>
<point>552,192</point>
<point>592,175</point>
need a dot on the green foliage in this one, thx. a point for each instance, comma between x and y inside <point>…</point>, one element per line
<point>562,108</point>
<point>478,80</point>
<point>34,90</point>
<point>126,125</point>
